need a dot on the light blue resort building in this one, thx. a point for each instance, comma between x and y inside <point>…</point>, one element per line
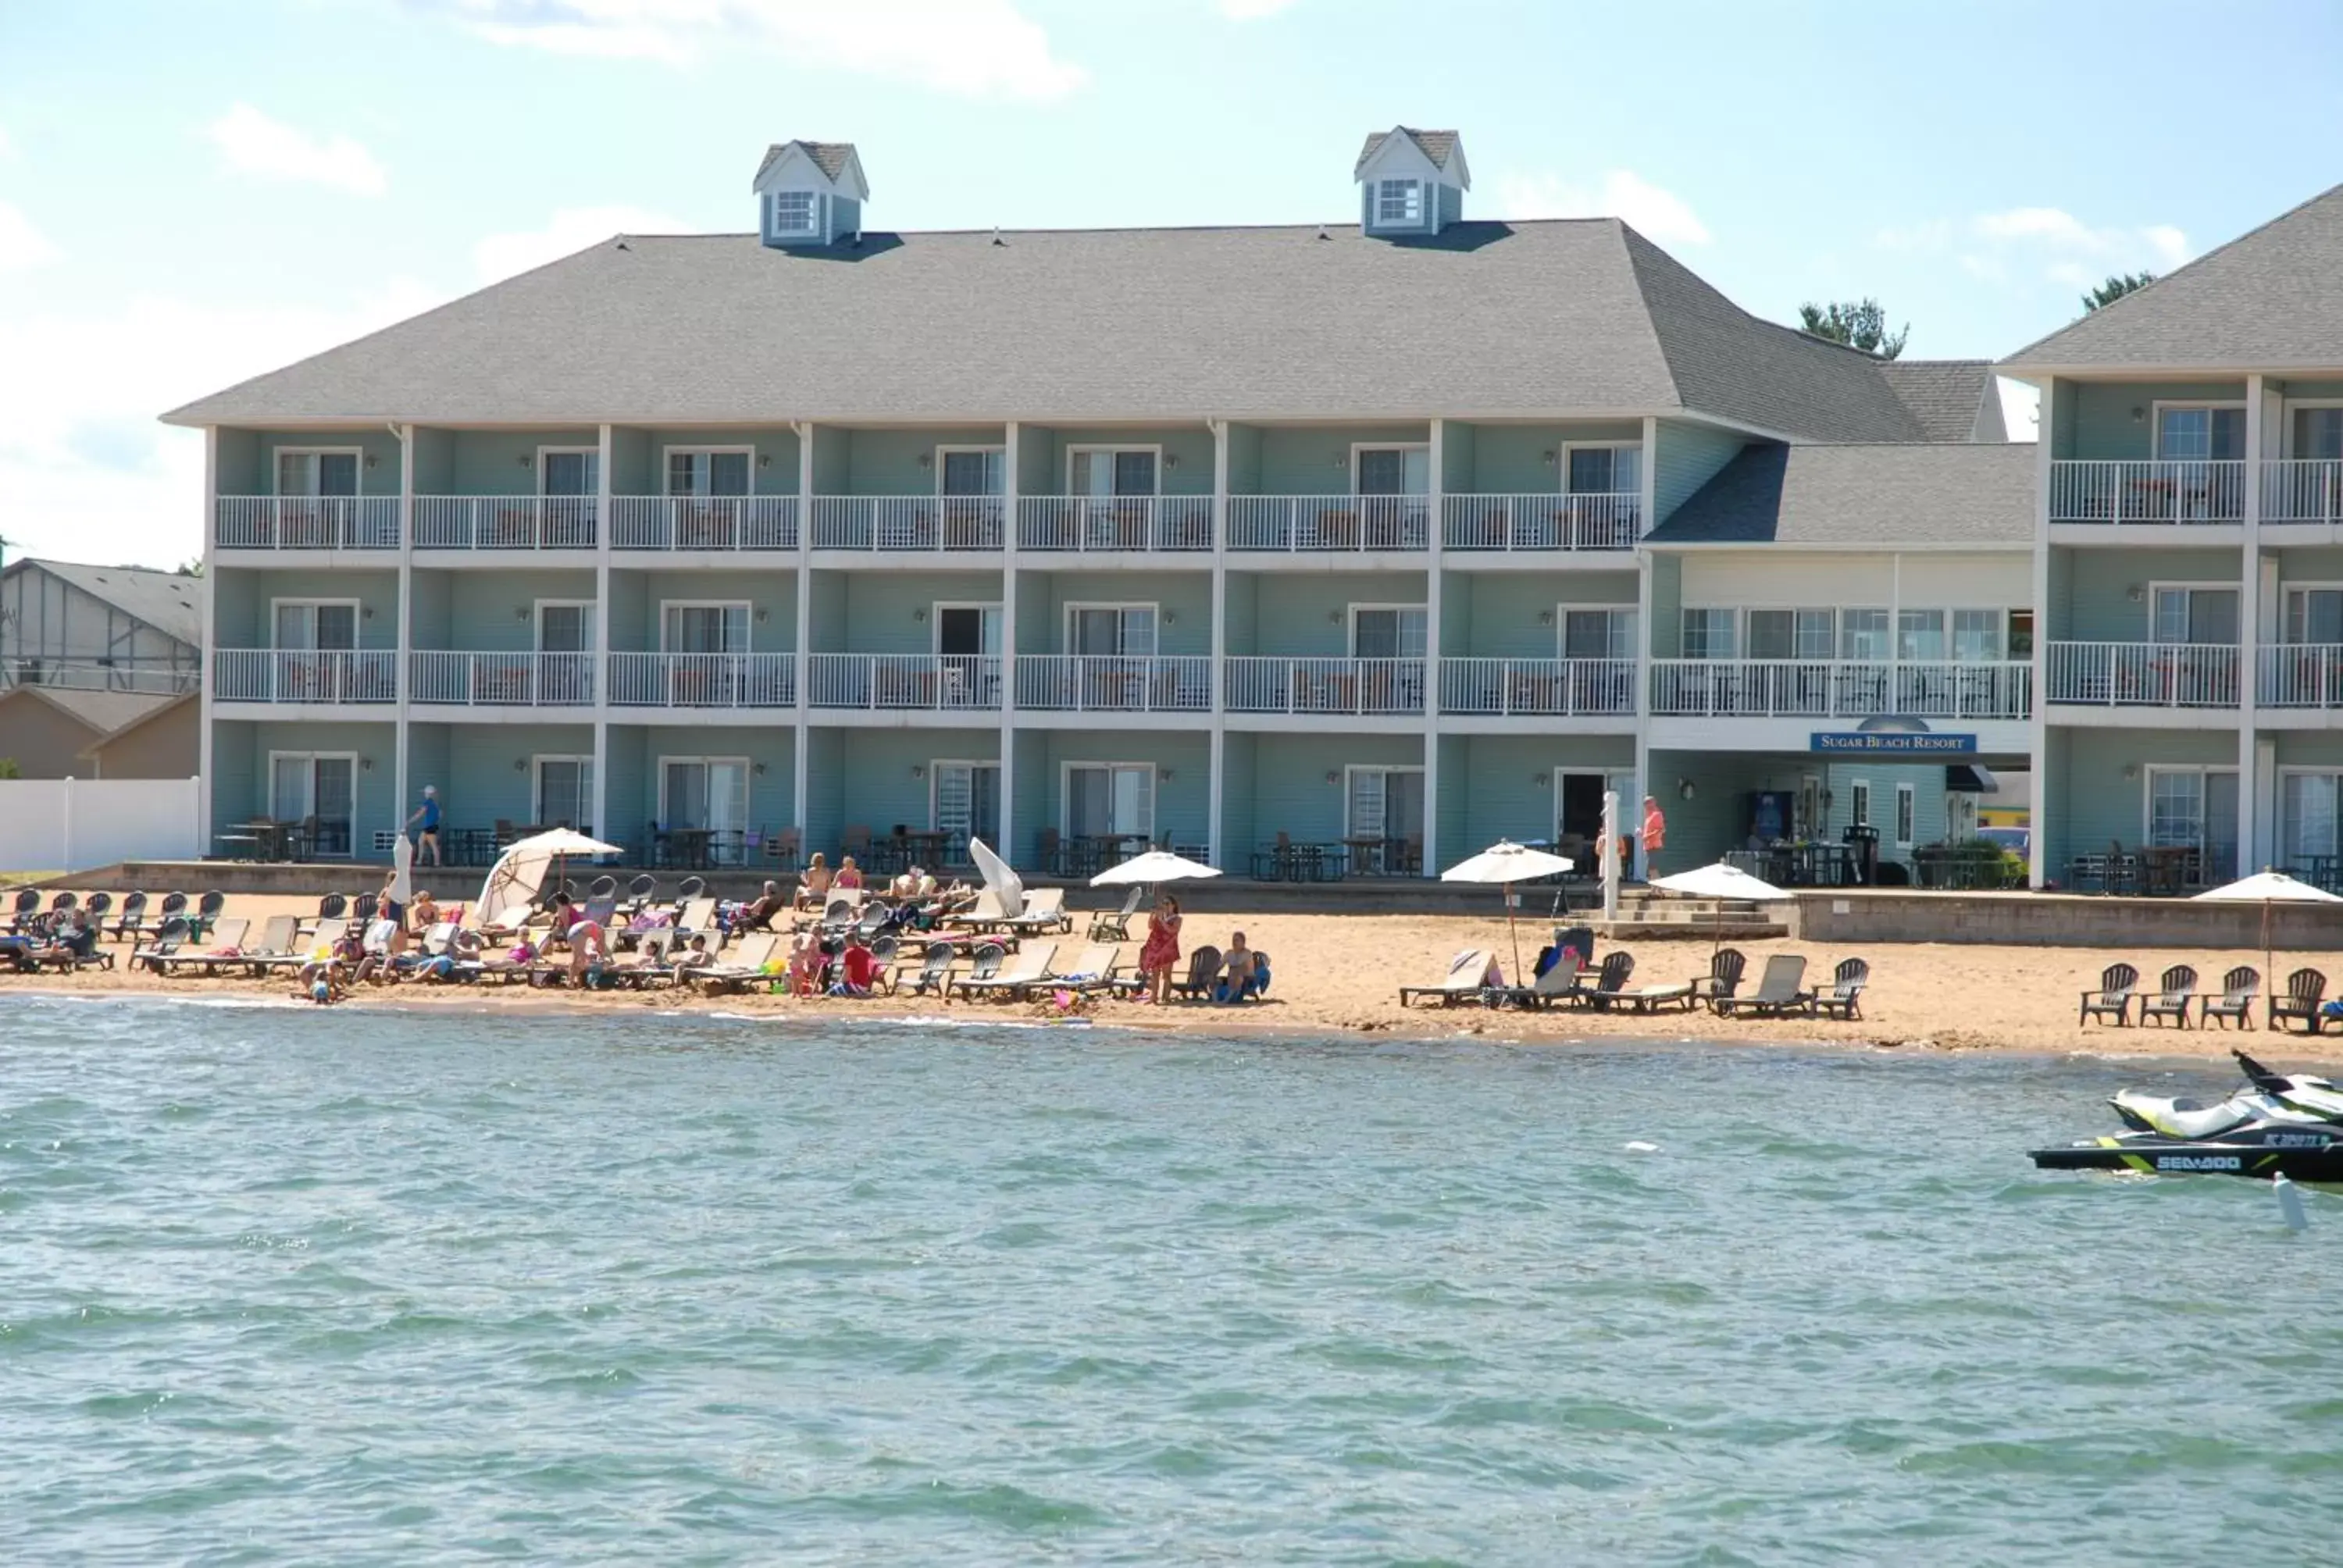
<point>1393,536</point>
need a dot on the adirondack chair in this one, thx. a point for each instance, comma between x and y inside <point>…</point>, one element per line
<point>2113,999</point>
<point>1610,982</point>
<point>1844,998</point>
<point>2236,1002</point>
<point>1723,978</point>
<point>2174,994</point>
<point>2305,989</point>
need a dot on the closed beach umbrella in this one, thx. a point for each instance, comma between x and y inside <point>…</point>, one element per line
<point>1721,882</point>
<point>402,870</point>
<point>1007,887</point>
<point>2267,888</point>
<point>1505,863</point>
<point>1154,866</point>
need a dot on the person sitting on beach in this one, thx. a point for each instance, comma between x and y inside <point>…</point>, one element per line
<point>758,916</point>
<point>805,964</point>
<point>855,971</point>
<point>850,875</point>
<point>1242,975</point>
<point>814,886</point>
<point>696,956</point>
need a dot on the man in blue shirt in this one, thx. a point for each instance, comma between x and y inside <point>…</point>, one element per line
<point>426,837</point>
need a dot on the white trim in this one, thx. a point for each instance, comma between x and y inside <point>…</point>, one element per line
<point>536,623</point>
<point>1565,608</point>
<point>1073,606</point>
<point>277,456</point>
<point>1562,465</point>
<point>746,608</point>
<point>537,762</point>
<point>1111,448</point>
<point>594,452</point>
<point>1907,815</point>
<point>936,625</point>
<point>2286,407</point>
<point>358,618</point>
<point>1423,447</point>
<point>946,449</point>
<point>2149,772</point>
<point>269,785</point>
<point>1066,793</point>
<point>2156,411</point>
<point>2280,822</point>
<point>814,214</point>
<point>747,772</point>
<point>936,765</point>
<point>1351,627</point>
<point>667,457</point>
<point>1350,769</point>
<point>1852,820</point>
<point>2156,586</point>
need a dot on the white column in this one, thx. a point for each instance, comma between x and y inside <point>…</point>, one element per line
<point>1214,834</point>
<point>2253,840</point>
<point>1645,503</point>
<point>210,640</point>
<point>799,783</point>
<point>2039,763</point>
<point>603,520</point>
<point>1434,585</point>
<point>1008,477</point>
<point>402,785</point>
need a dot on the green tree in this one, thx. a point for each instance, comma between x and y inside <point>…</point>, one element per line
<point>2117,285</point>
<point>190,570</point>
<point>9,768</point>
<point>1857,323</point>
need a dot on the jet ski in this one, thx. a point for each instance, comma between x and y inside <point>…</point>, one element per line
<point>2280,1124</point>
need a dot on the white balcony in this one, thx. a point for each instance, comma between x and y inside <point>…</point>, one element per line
<point>933,682</point>
<point>1354,686</point>
<point>440,678</point>
<point>336,677</point>
<point>1329,523</point>
<point>1840,688</point>
<point>2302,490</point>
<point>2141,675</point>
<point>305,523</point>
<point>2300,674</point>
<point>1541,522</point>
<point>1538,688</point>
<point>2122,492</point>
<point>1091,683</point>
<point>1090,523</point>
<point>504,522</point>
<point>704,522</point>
<point>918,523</point>
<point>695,681</point>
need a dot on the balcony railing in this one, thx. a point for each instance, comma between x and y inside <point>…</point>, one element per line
<point>2148,492</point>
<point>704,522</point>
<point>1305,523</point>
<point>2142,675</point>
<point>1549,688</point>
<point>1114,522</point>
<point>504,522</point>
<point>2300,674</point>
<point>1095,683</point>
<point>946,682</point>
<point>440,678</point>
<point>286,675</point>
<point>150,678</point>
<point>2302,490</point>
<point>1580,522</point>
<point>703,680</point>
<point>1362,686</point>
<point>1840,688</point>
<point>907,522</point>
<point>305,523</point>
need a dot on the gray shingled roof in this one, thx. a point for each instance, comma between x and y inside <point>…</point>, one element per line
<point>1437,145</point>
<point>2266,300</point>
<point>164,600</point>
<point>1487,320</point>
<point>103,711</point>
<point>829,157</point>
<point>1973,496</point>
<point>1952,400</point>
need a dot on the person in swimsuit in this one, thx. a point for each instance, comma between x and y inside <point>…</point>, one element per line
<point>1161,956</point>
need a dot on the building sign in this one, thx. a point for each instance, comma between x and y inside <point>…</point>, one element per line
<point>1890,743</point>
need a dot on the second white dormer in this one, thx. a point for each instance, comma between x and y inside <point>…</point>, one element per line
<point>1411,182</point>
<point>809,192</point>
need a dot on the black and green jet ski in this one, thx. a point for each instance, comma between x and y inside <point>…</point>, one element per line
<point>2280,1124</point>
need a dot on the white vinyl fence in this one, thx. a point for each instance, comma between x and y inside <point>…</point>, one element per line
<point>76,824</point>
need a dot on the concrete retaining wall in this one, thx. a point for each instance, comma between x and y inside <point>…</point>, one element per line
<point>2050,919</point>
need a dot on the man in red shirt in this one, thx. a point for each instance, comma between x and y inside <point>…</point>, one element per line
<point>1655,837</point>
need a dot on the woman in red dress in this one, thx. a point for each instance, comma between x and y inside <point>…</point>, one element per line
<point>1161,956</point>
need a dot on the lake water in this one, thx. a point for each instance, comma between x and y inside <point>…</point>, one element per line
<point>285,1285</point>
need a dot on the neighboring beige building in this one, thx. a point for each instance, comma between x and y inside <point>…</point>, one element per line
<point>166,742</point>
<point>56,732</point>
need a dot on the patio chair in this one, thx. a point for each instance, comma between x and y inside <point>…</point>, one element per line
<point>1014,981</point>
<point>1843,1000</point>
<point>280,944</point>
<point>2305,989</point>
<point>935,968</point>
<point>1610,979</point>
<point>173,908</point>
<point>697,918</point>
<point>1465,972</point>
<point>783,848</point>
<point>96,908</point>
<point>28,905</point>
<point>1045,910</point>
<point>1652,997</point>
<point>169,938</point>
<point>207,912</point>
<point>226,950</point>
<point>332,910</point>
<point>2236,1002</point>
<point>1726,967</point>
<point>602,887</point>
<point>1114,926</point>
<point>2175,991</point>
<point>641,893</point>
<point>2113,999</point>
<point>1093,968</point>
<point>885,953</point>
<point>1777,989</point>
<point>690,888</point>
<point>131,915</point>
<point>1204,973</point>
<point>741,970</point>
<point>983,966</point>
<point>1555,985</point>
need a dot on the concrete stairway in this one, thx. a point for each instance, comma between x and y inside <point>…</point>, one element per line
<point>1647,916</point>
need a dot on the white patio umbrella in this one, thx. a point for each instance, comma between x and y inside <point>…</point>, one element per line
<point>1505,863</point>
<point>1721,882</point>
<point>1154,866</point>
<point>402,870</point>
<point>1008,888</point>
<point>519,871</point>
<point>2267,888</point>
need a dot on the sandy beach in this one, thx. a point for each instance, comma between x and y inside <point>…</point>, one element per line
<point>1340,974</point>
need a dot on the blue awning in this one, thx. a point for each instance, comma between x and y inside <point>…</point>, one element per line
<point>1969,778</point>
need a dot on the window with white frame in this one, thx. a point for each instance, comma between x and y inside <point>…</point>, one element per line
<point>316,626</point>
<point>2318,434</point>
<point>1863,635</point>
<point>2199,433</point>
<point>1110,630</point>
<point>793,211</point>
<point>706,471</point>
<point>964,801</point>
<point>570,471</point>
<point>970,471</point>
<point>313,473</point>
<point>2306,813</point>
<point>2201,617</point>
<point>1977,636</point>
<point>1399,203</point>
<point>1787,634</point>
<point>1604,470</point>
<point>709,792</point>
<point>1708,634</point>
<point>1110,799</point>
<point>1602,632</point>
<point>1382,803</point>
<point>564,793</point>
<point>1392,470</point>
<point>1387,631</point>
<point>704,628</point>
<point>1920,635</point>
<point>1858,803</point>
<point>2314,614</point>
<point>1906,813</point>
<point>1105,471</point>
<point>2195,807</point>
<point>303,785</point>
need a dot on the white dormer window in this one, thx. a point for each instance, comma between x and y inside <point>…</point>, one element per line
<point>793,211</point>
<point>1399,203</point>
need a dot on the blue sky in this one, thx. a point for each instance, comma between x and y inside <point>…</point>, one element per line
<point>190,195</point>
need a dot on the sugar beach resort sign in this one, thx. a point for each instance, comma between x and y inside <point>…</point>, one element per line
<point>1885,737</point>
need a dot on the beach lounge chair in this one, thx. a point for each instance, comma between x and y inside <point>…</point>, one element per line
<point>170,936</point>
<point>2303,991</point>
<point>1724,976</point>
<point>1114,925</point>
<point>280,944</point>
<point>208,913</point>
<point>1203,974</point>
<point>738,972</point>
<point>1610,982</point>
<point>332,911</point>
<point>2173,996</point>
<point>1843,1000</point>
<point>151,921</point>
<point>2236,1002</point>
<point>1045,911</point>
<point>225,951</point>
<point>1777,989</point>
<point>1555,985</point>
<point>1465,972</point>
<point>1093,968</point>
<point>697,918</point>
<point>641,893</point>
<point>1652,997</point>
<point>983,965</point>
<point>935,968</point>
<point>2113,999</point>
<point>1014,981</point>
<point>127,921</point>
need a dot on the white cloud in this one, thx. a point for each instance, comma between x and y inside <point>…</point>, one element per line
<point>251,143</point>
<point>500,255</point>
<point>22,246</point>
<point>85,472</point>
<point>973,48</point>
<point>2044,242</point>
<point>1659,215</point>
<point>1252,10</point>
